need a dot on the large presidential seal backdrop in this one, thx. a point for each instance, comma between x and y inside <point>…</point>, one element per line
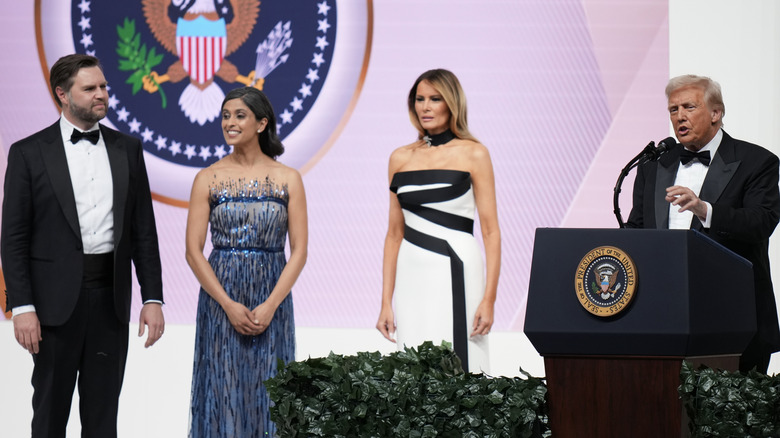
<point>169,64</point>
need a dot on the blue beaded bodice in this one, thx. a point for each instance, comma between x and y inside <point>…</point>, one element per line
<point>248,215</point>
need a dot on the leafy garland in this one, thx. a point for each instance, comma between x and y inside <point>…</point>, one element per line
<point>424,392</point>
<point>134,57</point>
<point>722,404</point>
<point>419,392</point>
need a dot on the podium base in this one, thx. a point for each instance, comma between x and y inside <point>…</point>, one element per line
<point>619,396</point>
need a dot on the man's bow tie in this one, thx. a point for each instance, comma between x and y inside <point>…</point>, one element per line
<point>91,136</point>
<point>686,156</point>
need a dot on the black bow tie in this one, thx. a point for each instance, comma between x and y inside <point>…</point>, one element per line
<point>91,136</point>
<point>686,156</point>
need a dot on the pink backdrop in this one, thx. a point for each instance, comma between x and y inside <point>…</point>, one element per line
<point>563,93</point>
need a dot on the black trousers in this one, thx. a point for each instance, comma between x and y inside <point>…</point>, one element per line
<point>89,349</point>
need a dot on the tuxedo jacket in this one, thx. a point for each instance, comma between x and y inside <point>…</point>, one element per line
<point>742,187</point>
<point>40,241</point>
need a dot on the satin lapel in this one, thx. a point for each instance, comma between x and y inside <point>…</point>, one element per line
<point>53,154</point>
<point>722,168</point>
<point>664,177</point>
<point>120,174</point>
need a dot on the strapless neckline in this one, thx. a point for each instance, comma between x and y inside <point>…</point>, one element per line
<point>443,171</point>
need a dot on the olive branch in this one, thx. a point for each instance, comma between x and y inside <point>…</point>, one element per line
<point>134,57</point>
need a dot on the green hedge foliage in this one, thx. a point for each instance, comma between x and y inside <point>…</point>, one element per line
<point>723,404</point>
<point>418,392</point>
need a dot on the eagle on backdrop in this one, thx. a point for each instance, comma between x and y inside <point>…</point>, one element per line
<point>201,34</point>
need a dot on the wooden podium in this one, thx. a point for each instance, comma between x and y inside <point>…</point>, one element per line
<point>617,376</point>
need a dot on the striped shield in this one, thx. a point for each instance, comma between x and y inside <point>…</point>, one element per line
<point>201,46</point>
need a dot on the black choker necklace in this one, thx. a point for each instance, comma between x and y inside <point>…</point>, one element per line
<point>438,139</point>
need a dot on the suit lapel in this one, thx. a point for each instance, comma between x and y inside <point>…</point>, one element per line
<point>722,168</point>
<point>666,171</point>
<point>53,154</point>
<point>120,175</point>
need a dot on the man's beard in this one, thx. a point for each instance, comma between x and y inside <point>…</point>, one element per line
<point>86,114</point>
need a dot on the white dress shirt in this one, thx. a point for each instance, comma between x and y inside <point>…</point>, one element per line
<point>93,188</point>
<point>692,175</point>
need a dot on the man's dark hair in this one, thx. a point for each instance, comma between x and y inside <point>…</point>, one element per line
<point>63,71</point>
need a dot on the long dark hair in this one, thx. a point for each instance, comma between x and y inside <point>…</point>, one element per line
<point>259,104</point>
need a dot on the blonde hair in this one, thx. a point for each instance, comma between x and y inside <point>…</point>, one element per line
<point>713,97</point>
<point>447,84</point>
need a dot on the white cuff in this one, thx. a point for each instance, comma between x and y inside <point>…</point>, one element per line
<point>708,221</point>
<point>22,309</point>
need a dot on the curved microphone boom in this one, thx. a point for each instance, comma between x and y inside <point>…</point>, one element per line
<point>649,153</point>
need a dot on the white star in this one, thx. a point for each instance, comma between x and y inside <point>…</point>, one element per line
<point>297,104</point>
<point>323,8</point>
<point>161,142</point>
<point>175,148</point>
<point>204,152</point>
<point>91,52</point>
<point>147,135</point>
<point>135,125</point>
<point>305,90</point>
<point>189,151</point>
<point>122,114</point>
<point>113,101</point>
<point>312,76</point>
<point>84,6</point>
<point>86,40</point>
<point>220,151</point>
<point>84,23</point>
<point>323,25</point>
<point>286,116</point>
<point>318,59</point>
<point>322,42</point>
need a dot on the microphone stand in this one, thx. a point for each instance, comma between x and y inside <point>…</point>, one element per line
<point>643,157</point>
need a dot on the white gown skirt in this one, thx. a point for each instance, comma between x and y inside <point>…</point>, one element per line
<point>440,278</point>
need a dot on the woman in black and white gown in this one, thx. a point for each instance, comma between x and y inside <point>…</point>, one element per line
<point>433,271</point>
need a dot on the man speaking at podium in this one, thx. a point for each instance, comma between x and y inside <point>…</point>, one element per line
<point>724,187</point>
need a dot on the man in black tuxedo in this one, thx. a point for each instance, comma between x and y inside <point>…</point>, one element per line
<point>723,187</point>
<point>77,209</point>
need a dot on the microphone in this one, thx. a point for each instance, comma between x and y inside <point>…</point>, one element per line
<point>664,146</point>
<point>653,153</point>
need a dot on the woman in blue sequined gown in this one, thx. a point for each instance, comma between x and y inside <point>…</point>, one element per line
<point>245,310</point>
<point>435,285</point>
